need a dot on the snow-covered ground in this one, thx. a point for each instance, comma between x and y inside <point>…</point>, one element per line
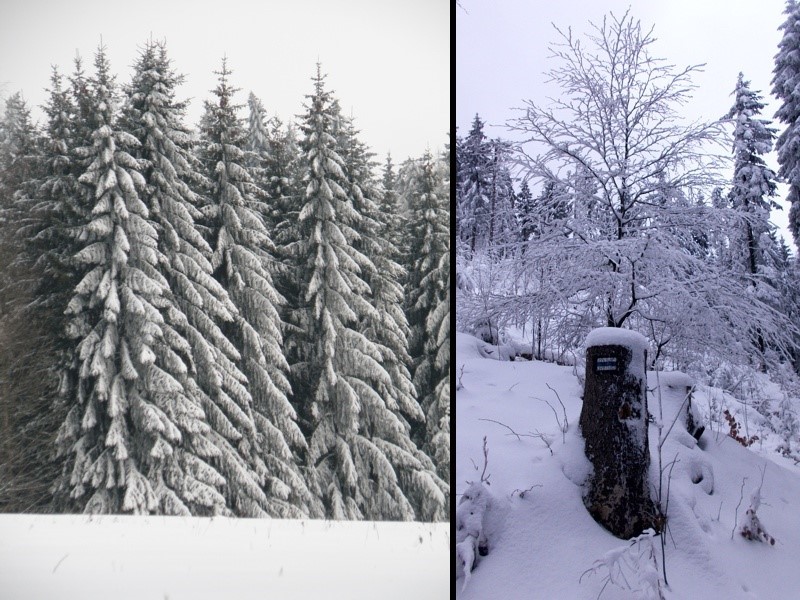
<point>173,558</point>
<point>542,542</point>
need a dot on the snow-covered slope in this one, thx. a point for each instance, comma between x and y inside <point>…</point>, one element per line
<point>542,542</point>
<point>80,558</point>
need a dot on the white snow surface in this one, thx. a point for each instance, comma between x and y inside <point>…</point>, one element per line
<point>74,557</point>
<point>615,336</point>
<point>541,544</point>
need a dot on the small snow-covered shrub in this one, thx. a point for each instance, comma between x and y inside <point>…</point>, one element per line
<point>752,528</point>
<point>471,540</point>
<point>486,329</point>
<point>632,567</point>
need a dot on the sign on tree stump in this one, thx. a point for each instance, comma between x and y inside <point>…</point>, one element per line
<point>614,426</point>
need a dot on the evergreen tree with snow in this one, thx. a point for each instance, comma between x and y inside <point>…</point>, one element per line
<point>786,77</point>
<point>131,422</point>
<point>57,205</point>
<point>18,149</point>
<point>754,184</point>
<point>427,290</point>
<point>242,260</point>
<point>20,166</point>
<point>474,187</point>
<point>257,159</point>
<point>81,118</point>
<point>257,129</point>
<point>284,189</point>
<point>205,361</point>
<point>353,435</point>
<point>46,235</point>
<point>525,211</point>
<point>387,326</point>
<point>29,329</point>
<point>391,206</point>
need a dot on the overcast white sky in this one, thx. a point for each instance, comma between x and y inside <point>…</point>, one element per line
<point>387,60</point>
<point>502,50</point>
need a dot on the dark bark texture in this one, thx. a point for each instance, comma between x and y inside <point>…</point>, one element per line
<point>614,425</point>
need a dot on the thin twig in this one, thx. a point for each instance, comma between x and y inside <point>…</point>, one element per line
<point>537,435</point>
<point>459,385</point>
<point>485,461</point>
<point>664,438</point>
<point>523,492</point>
<point>563,408</point>
<point>563,425</point>
<point>736,514</point>
<point>519,435</point>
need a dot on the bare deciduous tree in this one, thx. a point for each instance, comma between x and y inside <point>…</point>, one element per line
<point>634,247</point>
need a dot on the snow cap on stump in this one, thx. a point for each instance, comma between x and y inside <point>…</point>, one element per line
<point>614,336</point>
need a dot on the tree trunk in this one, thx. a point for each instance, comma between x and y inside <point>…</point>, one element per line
<point>614,425</point>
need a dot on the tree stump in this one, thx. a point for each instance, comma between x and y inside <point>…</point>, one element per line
<point>614,425</point>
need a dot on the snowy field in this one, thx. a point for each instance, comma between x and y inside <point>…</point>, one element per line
<point>172,558</point>
<point>541,540</point>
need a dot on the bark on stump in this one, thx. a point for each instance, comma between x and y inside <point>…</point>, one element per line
<point>614,425</point>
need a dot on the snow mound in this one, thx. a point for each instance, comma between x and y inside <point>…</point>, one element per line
<point>675,379</point>
<point>468,347</point>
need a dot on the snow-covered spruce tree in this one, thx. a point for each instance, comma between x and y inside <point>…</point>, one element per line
<point>387,327</point>
<point>437,434</point>
<point>57,208</point>
<point>28,418</point>
<point>396,214</point>
<point>786,77</point>
<point>212,378</point>
<point>754,183</point>
<point>257,128</point>
<point>283,169</point>
<point>257,146</point>
<point>428,285</point>
<point>81,118</point>
<point>46,236</point>
<point>525,212</point>
<point>133,435</point>
<point>283,181</point>
<point>623,251</point>
<point>472,197</point>
<point>20,164</point>
<point>337,367</point>
<point>270,436</point>
<point>754,186</point>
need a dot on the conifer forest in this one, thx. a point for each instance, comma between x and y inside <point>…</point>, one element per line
<point>246,316</point>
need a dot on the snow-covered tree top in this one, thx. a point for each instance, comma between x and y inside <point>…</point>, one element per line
<point>616,336</point>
